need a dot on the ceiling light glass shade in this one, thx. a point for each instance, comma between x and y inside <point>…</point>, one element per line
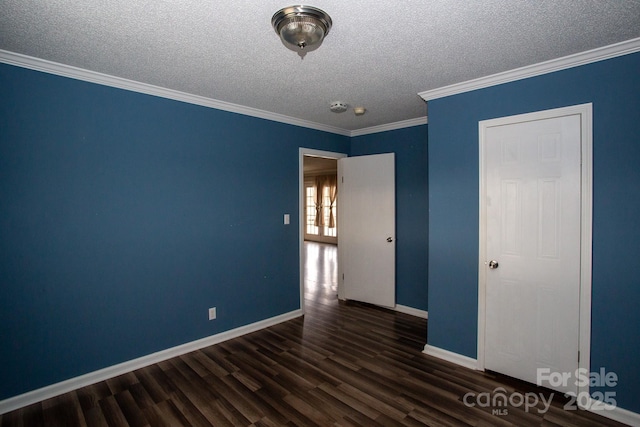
<point>301,27</point>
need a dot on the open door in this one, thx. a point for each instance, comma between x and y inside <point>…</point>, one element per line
<point>367,247</point>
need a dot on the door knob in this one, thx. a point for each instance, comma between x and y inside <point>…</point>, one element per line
<point>493,264</point>
<point>389,239</point>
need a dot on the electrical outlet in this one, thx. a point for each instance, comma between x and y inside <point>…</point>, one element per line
<point>212,313</point>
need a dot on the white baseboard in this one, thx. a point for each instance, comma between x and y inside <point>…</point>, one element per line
<point>71,384</point>
<point>450,356</point>
<point>412,311</point>
<point>617,414</point>
<point>614,413</point>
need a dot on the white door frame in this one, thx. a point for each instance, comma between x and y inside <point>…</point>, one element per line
<point>301,205</point>
<point>585,112</point>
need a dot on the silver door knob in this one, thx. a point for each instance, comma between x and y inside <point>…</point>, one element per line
<point>389,239</point>
<point>493,264</point>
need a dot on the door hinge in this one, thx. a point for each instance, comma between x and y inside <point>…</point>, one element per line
<point>578,357</point>
<point>342,179</point>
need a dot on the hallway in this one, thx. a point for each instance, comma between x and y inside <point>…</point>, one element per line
<point>320,272</point>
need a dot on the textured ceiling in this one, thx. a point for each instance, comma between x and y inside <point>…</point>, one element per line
<point>379,54</point>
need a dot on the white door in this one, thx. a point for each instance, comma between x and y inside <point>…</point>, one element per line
<point>533,213</point>
<point>366,247</point>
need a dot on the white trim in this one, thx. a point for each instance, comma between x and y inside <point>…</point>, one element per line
<point>575,60</point>
<point>412,311</point>
<point>69,71</point>
<point>57,389</point>
<point>450,356</point>
<point>585,111</point>
<point>314,153</point>
<point>617,414</point>
<point>390,126</point>
<point>586,235</point>
<point>45,66</point>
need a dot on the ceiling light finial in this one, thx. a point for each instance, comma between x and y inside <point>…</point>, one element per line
<point>301,28</point>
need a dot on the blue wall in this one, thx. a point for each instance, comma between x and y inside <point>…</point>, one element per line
<point>410,148</point>
<point>124,217</point>
<point>613,86</point>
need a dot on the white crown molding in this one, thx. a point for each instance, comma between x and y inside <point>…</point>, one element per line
<point>45,66</point>
<point>575,60</point>
<point>50,67</point>
<point>57,389</point>
<point>63,70</point>
<point>599,54</point>
<point>390,126</point>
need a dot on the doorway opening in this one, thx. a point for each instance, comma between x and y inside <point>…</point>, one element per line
<point>318,217</point>
<point>320,199</point>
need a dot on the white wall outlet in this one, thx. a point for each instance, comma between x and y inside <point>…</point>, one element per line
<point>212,313</point>
<point>287,219</point>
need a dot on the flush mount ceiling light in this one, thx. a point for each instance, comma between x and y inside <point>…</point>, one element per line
<point>301,28</point>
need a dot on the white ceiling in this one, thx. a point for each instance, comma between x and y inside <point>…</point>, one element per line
<point>379,54</point>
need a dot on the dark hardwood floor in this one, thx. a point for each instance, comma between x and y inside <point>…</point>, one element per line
<point>342,364</point>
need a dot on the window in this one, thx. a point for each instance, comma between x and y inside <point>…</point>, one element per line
<point>325,225</point>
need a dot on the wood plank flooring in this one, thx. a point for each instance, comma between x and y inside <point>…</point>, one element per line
<point>342,364</point>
